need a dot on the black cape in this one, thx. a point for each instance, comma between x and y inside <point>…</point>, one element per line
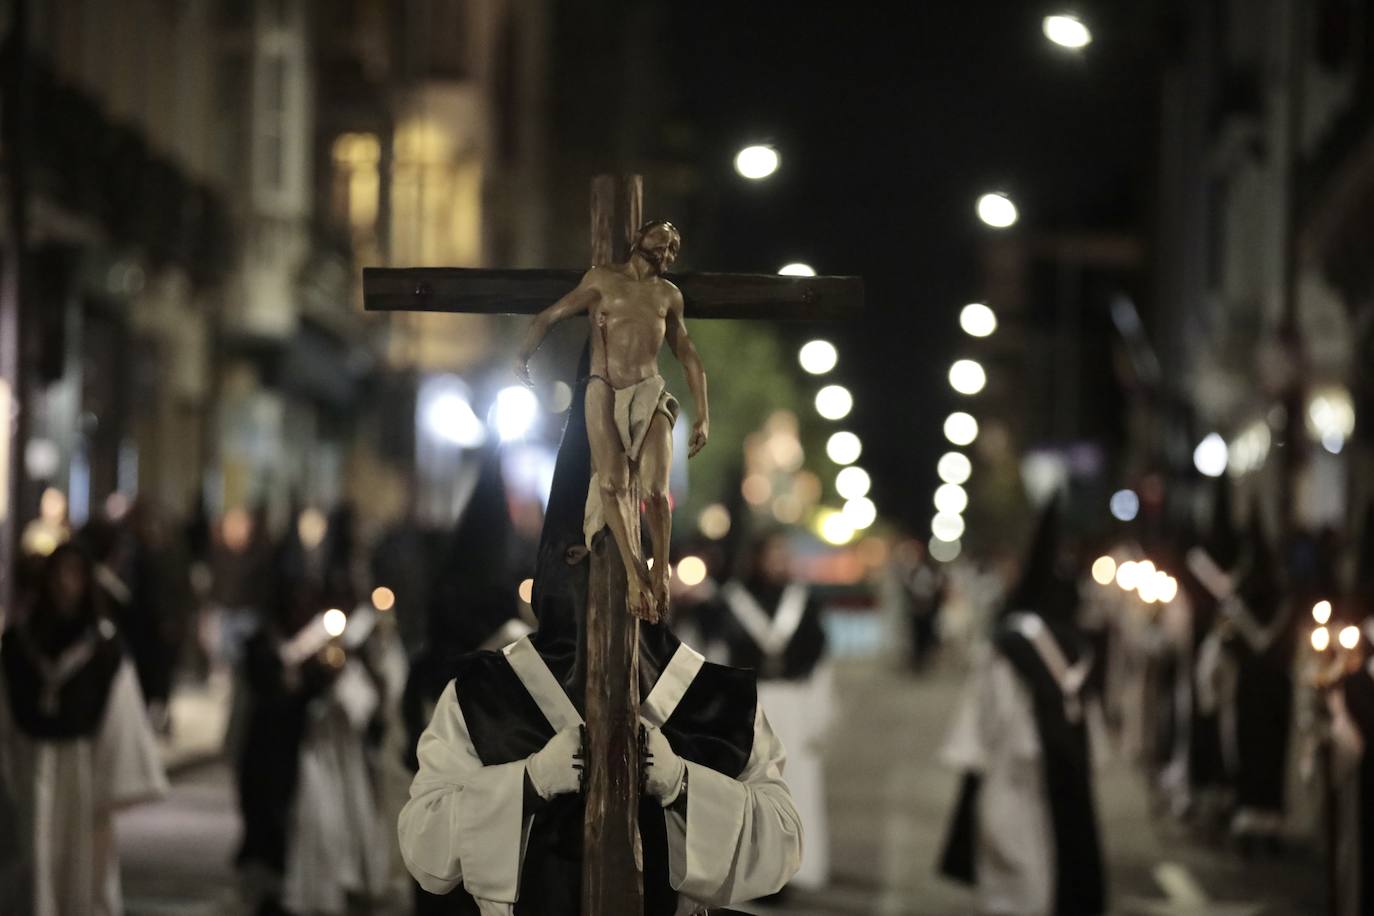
<point>82,698</point>
<point>1079,879</point>
<point>713,724</point>
<point>1358,690</point>
<point>804,651</point>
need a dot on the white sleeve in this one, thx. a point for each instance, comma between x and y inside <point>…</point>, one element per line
<point>127,759</point>
<point>741,838</point>
<point>465,822</point>
<point>994,718</point>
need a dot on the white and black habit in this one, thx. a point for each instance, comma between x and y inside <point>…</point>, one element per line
<point>774,627</point>
<point>75,746</point>
<point>1025,830</point>
<point>1261,645</point>
<point>474,830</point>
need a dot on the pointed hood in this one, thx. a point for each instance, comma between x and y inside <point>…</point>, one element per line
<point>1046,586</point>
<point>1223,543</point>
<point>474,591</point>
<point>1257,579</point>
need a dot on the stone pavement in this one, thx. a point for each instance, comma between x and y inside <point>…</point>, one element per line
<point>889,805</point>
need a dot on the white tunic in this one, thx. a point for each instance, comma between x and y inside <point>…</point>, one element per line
<point>465,822</point>
<point>800,713</point>
<point>994,734</point>
<point>61,796</point>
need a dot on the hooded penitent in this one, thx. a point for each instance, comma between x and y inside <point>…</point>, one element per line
<point>713,724</point>
<point>59,669</point>
<point>1043,604</point>
<point>1263,650</point>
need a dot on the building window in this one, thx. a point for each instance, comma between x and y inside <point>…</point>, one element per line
<point>356,188</point>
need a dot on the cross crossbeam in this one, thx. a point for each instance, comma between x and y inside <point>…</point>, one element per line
<point>527,292</point>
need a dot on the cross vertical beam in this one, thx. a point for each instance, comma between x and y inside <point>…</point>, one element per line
<point>612,857</point>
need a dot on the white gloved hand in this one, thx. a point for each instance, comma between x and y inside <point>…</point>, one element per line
<point>665,770</point>
<point>557,768</point>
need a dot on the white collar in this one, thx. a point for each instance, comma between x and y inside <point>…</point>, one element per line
<point>558,709</point>
<point>1069,678</point>
<point>770,634</point>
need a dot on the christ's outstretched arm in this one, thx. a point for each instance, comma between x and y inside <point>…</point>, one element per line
<point>574,303</point>
<point>686,353</point>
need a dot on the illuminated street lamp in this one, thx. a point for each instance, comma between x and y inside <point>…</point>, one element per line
<point>977,320</point>
<point>797,269</point>
<point>852,482</point>
<point>1067,31</point>
<point>961,428</point>
<point>997,210</point>
<point>966,376</point>
<point>757,162</point>
<point>844,448</point>
<point>954,467</point>
<point>834,402</point>
<point>818,356</point>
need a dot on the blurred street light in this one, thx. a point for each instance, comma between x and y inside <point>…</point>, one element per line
<point>797,269</point>
<point>383,598</point>
<point>951,498</point>
<point>1321,612</point>
<point>860,512</point>
<point>1211,456</point>
<point>1167,587</point>
<point>757,162</point>
<point>996,210</point>
<point>1350,637</point>
<point>852,483</point>
<point>1067,31</point>
<point>714,521</point>
<point>844,448</point>
<point>977,320</point>
<point>966,376</point>
<point>1127,575</point>
<point>947,526</point>
<point>1125,505</point>
<point>691,571</point>
<point>516,411</point>
<point>1321,639</point>
<point>954,467</point>
<point>450,417</point>
<point>818,356</point>
<point>961,428</point>
<point>834,402</point>
<point>1104,570</point>
<point>335,622</point>
<point>835,529</point>
<point>945,551</point>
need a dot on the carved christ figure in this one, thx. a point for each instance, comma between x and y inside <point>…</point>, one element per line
<point>630,414</point>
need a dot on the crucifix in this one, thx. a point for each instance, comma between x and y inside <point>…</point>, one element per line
<point>631,257</point>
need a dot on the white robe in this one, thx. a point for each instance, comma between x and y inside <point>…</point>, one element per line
<point>338,843</point>
<point>800,713</point>
<point>465,822</point>
<point>994,734</point>
<point>61,795</point>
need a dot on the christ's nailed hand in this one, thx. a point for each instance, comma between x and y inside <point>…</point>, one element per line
<point>556,769</point>
<point>700,431</point>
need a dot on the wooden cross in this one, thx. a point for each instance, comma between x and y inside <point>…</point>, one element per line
<point>612,867</point>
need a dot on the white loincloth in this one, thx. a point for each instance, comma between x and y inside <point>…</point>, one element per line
<point>635,408</point>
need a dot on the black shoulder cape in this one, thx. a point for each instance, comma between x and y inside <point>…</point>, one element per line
<point>81,700</point>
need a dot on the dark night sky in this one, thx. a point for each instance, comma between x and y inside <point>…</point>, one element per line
<point>891,119</point>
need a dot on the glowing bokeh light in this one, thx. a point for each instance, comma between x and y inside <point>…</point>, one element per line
<point>757,162</point>
<point>951,498</point>
<point>954,467</point>
<point>844,448</point>
<point>1104,570</point>
<point>977,320</point>
<point>961,428</point>
<point>834,402</point>
<point>852,483</point>
<point>818,356</point>
<point>966,376</point>
<point>997,210</point>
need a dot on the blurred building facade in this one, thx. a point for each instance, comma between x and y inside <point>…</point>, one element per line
<point>1262,281</point>
<point>211,177</point>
